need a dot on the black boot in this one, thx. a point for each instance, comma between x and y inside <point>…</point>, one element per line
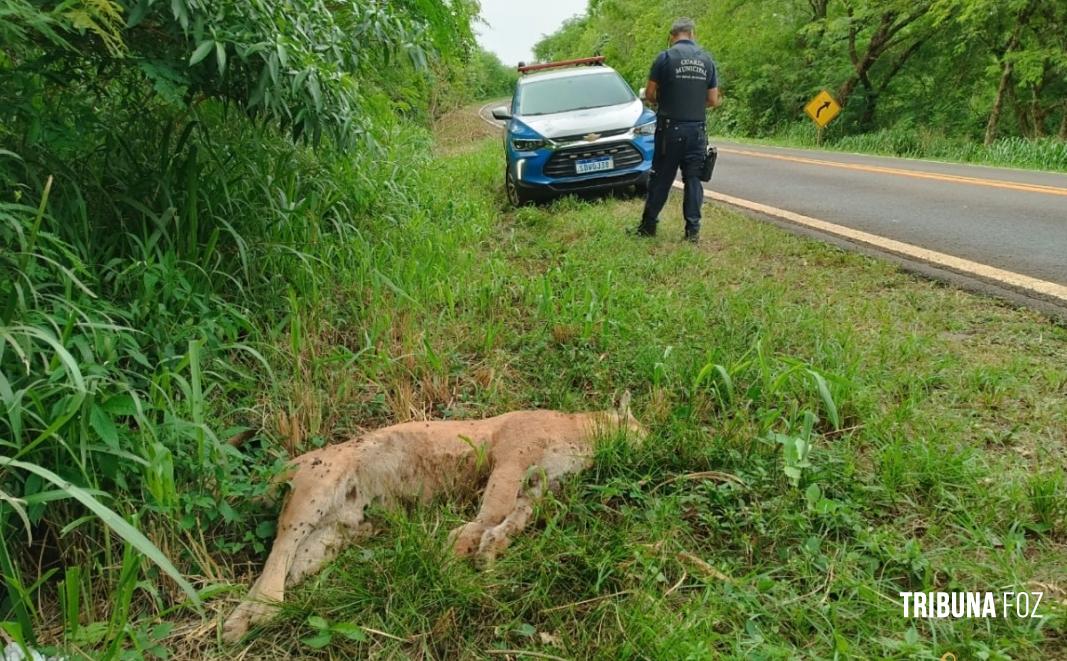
<point>645,229</point>
<point>692,236</point>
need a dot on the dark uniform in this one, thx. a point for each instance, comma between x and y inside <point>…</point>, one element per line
<point>684,73</point>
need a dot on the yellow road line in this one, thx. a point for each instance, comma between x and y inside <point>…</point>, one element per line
<point>916,174</point>
<point>1018,281</point>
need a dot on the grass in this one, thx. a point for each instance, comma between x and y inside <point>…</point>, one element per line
<point>826,432</point>
<point>150,314</point>
<point>1049,154</point>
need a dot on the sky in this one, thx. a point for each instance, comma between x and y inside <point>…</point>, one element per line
<point>514,26</point>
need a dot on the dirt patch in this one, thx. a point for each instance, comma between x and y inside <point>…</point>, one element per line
<point>463,129</point>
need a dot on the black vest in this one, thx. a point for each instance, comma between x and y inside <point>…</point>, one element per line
<point>683,84</point>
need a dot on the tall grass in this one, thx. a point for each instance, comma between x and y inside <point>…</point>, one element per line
<point>819,444</point>
<point>826,432</point>
<point>164,295</point>
<point>1037,154</point>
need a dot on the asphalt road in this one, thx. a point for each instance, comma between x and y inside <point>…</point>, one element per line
<point>1015,220</point>
<point>999,229</point>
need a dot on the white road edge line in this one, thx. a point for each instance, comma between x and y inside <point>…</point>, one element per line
<point>490,122</point>
<point>1018,281</point>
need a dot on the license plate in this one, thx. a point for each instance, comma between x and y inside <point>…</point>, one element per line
<point>598,164</point>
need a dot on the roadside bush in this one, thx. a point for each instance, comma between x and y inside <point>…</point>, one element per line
<point>1040,154</point>
<point>184,189</point>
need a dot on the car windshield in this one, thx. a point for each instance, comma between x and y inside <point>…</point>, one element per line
<point>544,97</point>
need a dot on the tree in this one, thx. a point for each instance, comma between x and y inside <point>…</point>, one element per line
<point>963,66</point>
<point>1024,42</point>
<point>294,63</point>
<point>881,38</point>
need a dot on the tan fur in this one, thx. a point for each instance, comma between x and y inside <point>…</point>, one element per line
<point>523,453</point>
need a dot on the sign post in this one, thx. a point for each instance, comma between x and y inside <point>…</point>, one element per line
<point>822,110</point>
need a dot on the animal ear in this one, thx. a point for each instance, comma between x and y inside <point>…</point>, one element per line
<point>624,402</point>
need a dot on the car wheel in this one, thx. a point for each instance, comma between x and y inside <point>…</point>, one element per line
<point>516,196</point>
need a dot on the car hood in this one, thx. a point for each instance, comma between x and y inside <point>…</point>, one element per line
<point>577,122</point>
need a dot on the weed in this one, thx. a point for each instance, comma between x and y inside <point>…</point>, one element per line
<point>695,543</point>
<point>1035,154</point>
<point>351,293</point>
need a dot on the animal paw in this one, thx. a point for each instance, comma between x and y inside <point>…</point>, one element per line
<point>466,539</point>
<point>494,541</point>
<point>235,628</point>
<point>249,613</point>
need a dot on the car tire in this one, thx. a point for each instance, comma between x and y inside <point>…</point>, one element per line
<point>516,195</point>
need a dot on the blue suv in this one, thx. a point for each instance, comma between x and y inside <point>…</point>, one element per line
<point>575,128</point>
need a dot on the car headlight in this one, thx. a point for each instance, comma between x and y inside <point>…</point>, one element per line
<point>645,129</point>
<point>527,145</point>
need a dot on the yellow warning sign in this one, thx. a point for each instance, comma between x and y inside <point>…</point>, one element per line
<point>822,109</point>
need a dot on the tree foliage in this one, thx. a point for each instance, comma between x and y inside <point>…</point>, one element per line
<point>968,68</point>
<point>299,64</point>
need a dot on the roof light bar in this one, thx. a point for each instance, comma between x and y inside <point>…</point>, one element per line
<point>585,61</point>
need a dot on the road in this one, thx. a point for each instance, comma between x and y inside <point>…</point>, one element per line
<point>1000,230</point>
<point>998,224</point>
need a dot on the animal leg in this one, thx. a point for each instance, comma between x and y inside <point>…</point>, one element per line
<point>269,590</point>
<point>501,493</point>
<point>323,545</point>
<point>300,518</point>
<point>317,549</point>
<point>497,538</point>
<point>554,465</point>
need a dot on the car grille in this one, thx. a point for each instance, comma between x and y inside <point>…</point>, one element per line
<point>561,164</point>
<point>581,136</point>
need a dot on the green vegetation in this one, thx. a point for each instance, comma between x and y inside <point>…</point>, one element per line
<point>971,80</point>
<point>1042,154</point>
<point>227,236</point>
<point>826,432</point>
<point>184,188</point>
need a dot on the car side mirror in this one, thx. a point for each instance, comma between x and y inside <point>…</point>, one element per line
<point>501,113</point>
<point>641,94</point>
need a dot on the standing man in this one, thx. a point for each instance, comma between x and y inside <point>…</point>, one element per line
<point>683,82</point>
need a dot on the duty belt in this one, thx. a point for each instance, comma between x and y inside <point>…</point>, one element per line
<point>667,122</point>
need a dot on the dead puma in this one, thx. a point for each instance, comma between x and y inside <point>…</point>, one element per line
<point>523,453</point>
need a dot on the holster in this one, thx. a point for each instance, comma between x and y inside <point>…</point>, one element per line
<point>709,163</point>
